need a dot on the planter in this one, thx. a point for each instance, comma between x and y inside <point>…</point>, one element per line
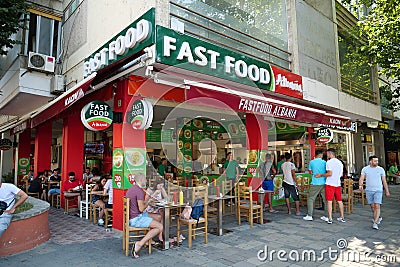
<point>27,229</point>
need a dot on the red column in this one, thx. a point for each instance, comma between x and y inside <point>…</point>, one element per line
<point>121,101</point>
<point>311,141</point>
<point>43,147</point>
<point>257,139</point>
<point>24,148</point>
<point>72,148</point>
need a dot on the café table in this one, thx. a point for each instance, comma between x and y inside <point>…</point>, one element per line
<point>220,209</point>
<point>167,212</point>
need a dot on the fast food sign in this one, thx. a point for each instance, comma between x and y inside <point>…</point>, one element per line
<point>324,135</point>
<point>140,115</point>
<point>97,116</point>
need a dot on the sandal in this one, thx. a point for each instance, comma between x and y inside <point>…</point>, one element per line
<point>133,252</point>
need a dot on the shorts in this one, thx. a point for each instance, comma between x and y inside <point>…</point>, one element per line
<point>54,191</point>
<point>374,197</point>
<point>331,191</point>
<point>108,205</point>
<point>268,185</point>
<point>141,221</point>
<point>290,190</point>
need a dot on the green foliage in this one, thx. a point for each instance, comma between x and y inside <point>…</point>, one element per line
<point>379,31</point>
<point>11,20</point>
<point>23,207</point>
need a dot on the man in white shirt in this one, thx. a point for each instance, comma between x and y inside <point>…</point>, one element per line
<point>334,170</point>
<point>373,191</point>
<point>108,188</point>
<point>8,192</point>
<point>289,184</point>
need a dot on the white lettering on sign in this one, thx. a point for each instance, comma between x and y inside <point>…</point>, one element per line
<point>99,110</point>
<point>335,121</point>
<point>283,82</point>
<point>75,96</point>
<point>209,57</point>
<point>268,109</point>
<point>118,47</point>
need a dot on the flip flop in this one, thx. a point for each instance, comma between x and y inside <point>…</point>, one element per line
<point>133,252</point>
<point>301,214</point>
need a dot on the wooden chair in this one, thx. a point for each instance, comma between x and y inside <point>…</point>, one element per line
<point>85,203</point>
<point>227,189</point>
<point>247,206</point>
<point>180,181</point>
<point>56,198</point>
<point>35,195</point>
<point>347,195</point>
<point>108,213</point>
<point>129,232</point>
<point>70,203</point>
<point>196,227</point>
<point>360,195</point>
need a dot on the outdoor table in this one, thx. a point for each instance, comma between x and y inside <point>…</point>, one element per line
<point>167,211</point>
<point>261,197</point>
<point>220,208</point>
<point>74,193</point>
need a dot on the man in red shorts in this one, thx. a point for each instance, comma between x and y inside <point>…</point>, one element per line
<point>334,170</point>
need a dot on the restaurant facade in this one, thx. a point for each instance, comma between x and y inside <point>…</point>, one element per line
<point>154,90</point>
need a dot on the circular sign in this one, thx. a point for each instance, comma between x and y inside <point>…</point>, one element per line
<point>97,116</point>
<point>5,144</point>
<point>324,135</point>
<point>140,115</point>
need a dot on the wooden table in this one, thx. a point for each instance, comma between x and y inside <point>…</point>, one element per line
<point>220,209</point>
<point>167,211</point>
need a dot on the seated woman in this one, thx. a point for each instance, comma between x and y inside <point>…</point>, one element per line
<point>97,199</point>
<point>158,193</point>
<point>36,184</point>
<point>137,215</point>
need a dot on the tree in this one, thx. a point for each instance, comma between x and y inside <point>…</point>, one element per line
<point>379,32</point>
<point>11,21</point>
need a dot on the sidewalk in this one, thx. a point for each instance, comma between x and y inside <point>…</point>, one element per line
<point>289,233</point>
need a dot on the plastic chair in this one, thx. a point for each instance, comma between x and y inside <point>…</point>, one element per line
<point>85,203</point>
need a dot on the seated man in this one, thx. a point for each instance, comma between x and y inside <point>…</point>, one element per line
<point>8,192</point>
<point>139,218</point>
<point>69,185</point>
<point>54,181</point>
<point>108,188</point>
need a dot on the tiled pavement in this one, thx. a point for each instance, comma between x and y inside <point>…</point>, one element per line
<point>288,233</point>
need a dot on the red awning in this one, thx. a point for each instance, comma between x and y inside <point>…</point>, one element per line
<point>258,103</point>
<point>62,102</point>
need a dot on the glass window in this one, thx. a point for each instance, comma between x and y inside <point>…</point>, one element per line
<point>43,35</point>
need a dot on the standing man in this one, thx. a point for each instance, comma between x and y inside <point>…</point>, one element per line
<point>317,166</point>
<point>334,170</point>
<point>267,171</point>
<point>290,185</point>
<point>375,177</point>
<point>161,168</point>
<point>231,169</point>
<point>279,164</point>
<point>8,192</point>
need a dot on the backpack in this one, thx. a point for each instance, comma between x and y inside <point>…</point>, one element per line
<point>197,209</point>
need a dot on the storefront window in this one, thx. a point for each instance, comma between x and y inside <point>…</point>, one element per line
<point>238,25</point>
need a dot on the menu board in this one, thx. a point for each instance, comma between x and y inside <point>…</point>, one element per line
<point>134,163</point>
<point>252,162</point>
<point>117,167</point>
<point>303,182</point>
<point>158,135</point>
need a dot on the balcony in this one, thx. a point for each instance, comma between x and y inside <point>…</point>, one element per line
<point>358,90</point>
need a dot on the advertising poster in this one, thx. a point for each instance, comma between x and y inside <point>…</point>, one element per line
<point>303,182</point>
<point>23,166</point>
<point>117,167</point>
<point>134,163</point>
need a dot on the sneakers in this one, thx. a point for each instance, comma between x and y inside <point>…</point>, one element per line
<point>375,226</point>
<point>308,218</point>
<point>101,222</point>
<point>341,220</point>
<point>379,220</point>
<point>329,221</point>
<point>324,218</point>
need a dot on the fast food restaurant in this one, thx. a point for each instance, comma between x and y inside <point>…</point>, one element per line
<point>151,92</point>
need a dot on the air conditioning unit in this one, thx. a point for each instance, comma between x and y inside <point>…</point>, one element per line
<point>41,62</point>
<point>57,84</point>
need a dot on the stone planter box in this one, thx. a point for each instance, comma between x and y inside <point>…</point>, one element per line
<point>27,229</point>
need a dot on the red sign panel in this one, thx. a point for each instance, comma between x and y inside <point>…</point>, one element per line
<point>288,83</point>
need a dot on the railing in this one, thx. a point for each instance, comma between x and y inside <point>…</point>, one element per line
<point>358,90</point>
<point>263,51</point>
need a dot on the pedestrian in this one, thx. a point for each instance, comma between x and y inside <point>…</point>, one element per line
<point>317,186</point>
<point>162,167</point>
<point>279,164</point>
<point>267,172</point>
<point>334,170</point>
<point>375,177</point>
<point>290,185</point>
<point>8,192</point>
<point>231,169</point>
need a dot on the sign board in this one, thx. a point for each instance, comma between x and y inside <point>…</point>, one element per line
<point>324,135</point>
<point>5,144</point>
<point>134,38</point>
<point>97,116</point>
<point>140,115</point>
<point>23,166</point>
<point>288,83</point>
